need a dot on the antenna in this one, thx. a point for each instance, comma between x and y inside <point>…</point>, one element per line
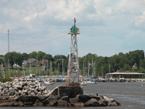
<point>75,22</point>
<point>8,57</point>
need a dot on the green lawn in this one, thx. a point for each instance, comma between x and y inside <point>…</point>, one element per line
<point>27,70</point>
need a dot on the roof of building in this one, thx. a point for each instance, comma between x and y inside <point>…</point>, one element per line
<point>126,73</point>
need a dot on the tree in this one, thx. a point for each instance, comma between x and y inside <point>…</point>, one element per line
<point>13,57</point>
<point>48,57</point>
<point>1,55</point>
<point>40,55</point>
<point>126,67</point>
<point>1,61</point>
<point>25,56</point>
<point>33,55</point>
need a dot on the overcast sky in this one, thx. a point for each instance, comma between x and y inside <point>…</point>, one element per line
<point>107,27</point>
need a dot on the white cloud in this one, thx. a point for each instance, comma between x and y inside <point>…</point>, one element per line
<point>140,20</point>
<point>135,37</point>
<point>105,24</point>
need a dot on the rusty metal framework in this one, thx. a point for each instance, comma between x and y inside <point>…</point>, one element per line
<point>73,64</point>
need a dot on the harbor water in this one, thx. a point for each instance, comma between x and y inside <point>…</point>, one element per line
<point>130,95</point>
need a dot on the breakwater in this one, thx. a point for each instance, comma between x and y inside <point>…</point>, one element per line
<point>32,93</point>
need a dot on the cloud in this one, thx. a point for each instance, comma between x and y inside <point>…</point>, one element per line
<point>107,26</point>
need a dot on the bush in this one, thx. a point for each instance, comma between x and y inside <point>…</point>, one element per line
<point>5,80</point>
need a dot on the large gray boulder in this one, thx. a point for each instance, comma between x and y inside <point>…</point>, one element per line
<point>79,104</point>
<point>62,103</point>
<point>73,100</point>
<point>83,98</point>
<point>103,102</point>
<point>38,103</point>
<point>65,98</point>
<point>52,101</point>
<point>92,102</point>
<point>96,97</point>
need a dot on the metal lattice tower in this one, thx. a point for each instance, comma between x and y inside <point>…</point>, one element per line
<point>73,64</point>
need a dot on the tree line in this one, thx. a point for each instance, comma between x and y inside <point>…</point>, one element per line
<point>121,61</point>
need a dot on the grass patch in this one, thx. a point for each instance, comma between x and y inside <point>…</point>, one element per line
<point>5,80</point>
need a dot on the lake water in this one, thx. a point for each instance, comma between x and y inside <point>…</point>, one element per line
<point>130,95</point>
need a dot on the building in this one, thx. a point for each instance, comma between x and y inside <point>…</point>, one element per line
<point>15,65</point>
<point>135,65</point>
<point>32,62</point>
<point>125,74</point>
<point>42,63</point>
<point>6,65</point>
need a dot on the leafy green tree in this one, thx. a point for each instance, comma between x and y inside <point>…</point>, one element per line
<point>33,55</point>
<point>126,67</point>
<point>25,56</point>
<point>142,63</point>
<point>40,55</point>
<point>13,57</point>
<point>48,57</point>
<point>1,61</point>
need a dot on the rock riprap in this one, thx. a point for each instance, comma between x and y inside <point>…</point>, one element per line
<point>22,88</point>
<point>24,94</point>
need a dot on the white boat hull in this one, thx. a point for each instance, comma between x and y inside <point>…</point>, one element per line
<point>90,82</point>
<point>49,83</point>
<point>83,84</point>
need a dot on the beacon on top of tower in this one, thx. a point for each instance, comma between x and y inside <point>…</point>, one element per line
<point>74,29</point>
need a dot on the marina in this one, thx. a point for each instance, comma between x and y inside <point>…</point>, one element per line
<point>98,72</point>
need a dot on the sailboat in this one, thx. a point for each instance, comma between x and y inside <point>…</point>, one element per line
<point>83,83</point>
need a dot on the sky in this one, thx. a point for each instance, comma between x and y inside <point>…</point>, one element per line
<point>107,27</point>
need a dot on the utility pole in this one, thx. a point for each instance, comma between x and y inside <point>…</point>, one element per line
<point>73,63</point>
<point>8,56</point>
